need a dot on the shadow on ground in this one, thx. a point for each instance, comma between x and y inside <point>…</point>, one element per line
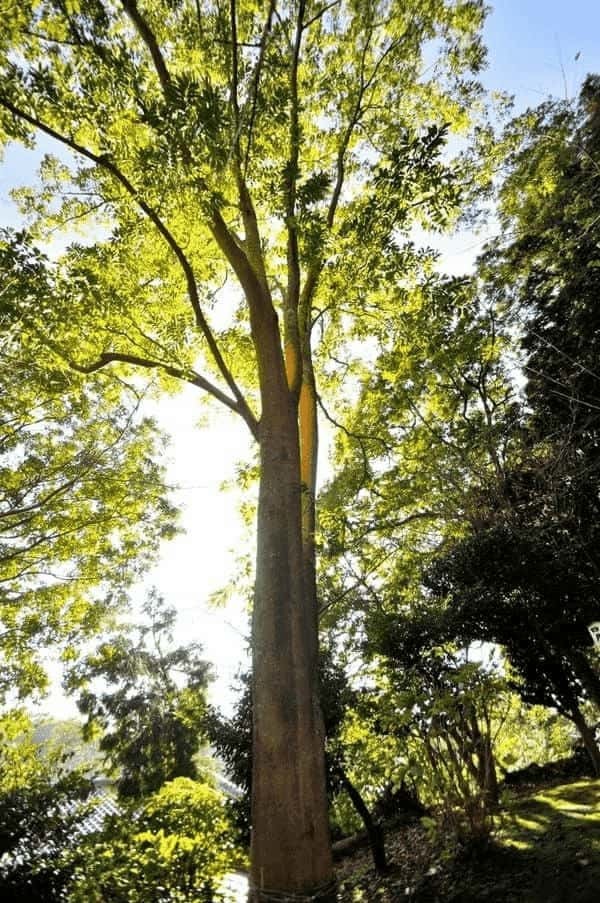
<point>547,850</point>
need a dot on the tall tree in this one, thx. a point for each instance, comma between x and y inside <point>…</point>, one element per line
<point>515,525</point>
<point>546,267</point>
<point>541,518</point>
<point>523,570</point>
<point>148,699</point>
<point>278,144</point>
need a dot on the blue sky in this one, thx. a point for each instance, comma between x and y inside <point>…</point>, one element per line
<point>532,46</point>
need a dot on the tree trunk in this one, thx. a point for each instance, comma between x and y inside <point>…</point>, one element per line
<point>586,674</point>
<point>489,775</point>
<point>290,846</point>
<point>587,735</point>
<point>374,831</point>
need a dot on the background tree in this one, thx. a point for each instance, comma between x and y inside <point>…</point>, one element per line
<point>511,530</point>
<point>42,806</point>
<point>52,734</point>
<point>148,698</point>
<point>532,734</point>
<point>528,575</point>
<point>433,423</point>
<point>442,708</point>
<point>281,146</point>
<point>546,269</point>
<point>339,697</point>
<point>83,501</point>
<point>433,426</point>
<point>501,588</point>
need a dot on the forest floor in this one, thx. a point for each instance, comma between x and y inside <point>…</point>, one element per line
<point>545,849</point>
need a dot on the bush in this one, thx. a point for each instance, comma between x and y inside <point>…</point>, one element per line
<point>41,809</point>
<point>176,847</point>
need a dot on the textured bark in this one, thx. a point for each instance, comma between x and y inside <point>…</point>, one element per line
<point>290,848</point>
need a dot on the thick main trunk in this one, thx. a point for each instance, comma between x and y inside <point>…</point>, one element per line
<point>290,848</point>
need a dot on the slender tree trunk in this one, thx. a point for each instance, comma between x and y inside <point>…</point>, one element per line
<point>587,735</point>
<point>586,674</point>
<point>487,777</point>
<point>290,847</point>
<point>374,831</point>
<point>489,773</point>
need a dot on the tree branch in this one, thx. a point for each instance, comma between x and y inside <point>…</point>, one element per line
<point>234,254</point>
<point>34,506</point>
<point>147,36</point>
<point>364,85</point>
<point>252,244</point>
<point>312,278</point>
<point>234,81</point>
<point>319,15</point>
<point>292,296</point>
<point>189,376</point>
<point>341,155</point>
<point>257,74</point>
